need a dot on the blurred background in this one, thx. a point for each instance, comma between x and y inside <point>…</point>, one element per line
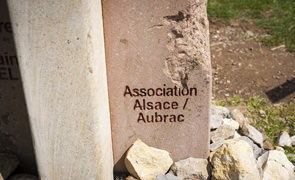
<point>253,62</point>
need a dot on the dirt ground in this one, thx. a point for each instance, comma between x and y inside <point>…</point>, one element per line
<point>242,66</point>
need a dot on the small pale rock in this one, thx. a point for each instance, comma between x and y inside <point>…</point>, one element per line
<point>262,113</point>
<point>278,148</point>
<point>145,163</point>
<point>284,139</point>
<point>8,163</point>
<point>252,133</point>
<point>224,132</point>
<point>234,160</point>
<point>249,33</point>
<point>167,177</point>
<point>23,177</point>
<point>231,122</point>
<point>275,165</point>
<point>215,145</point>
<point>196,177</point>
<point>192,169</point>
<point>242,109</point>
<point>293,140</point>
<point>256,150</point>
<point>267,145</point>
<point>239,117</point>
<point>218,113</point>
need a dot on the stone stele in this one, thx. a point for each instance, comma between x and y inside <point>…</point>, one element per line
<point>60,47</point>
<point>159,75</point>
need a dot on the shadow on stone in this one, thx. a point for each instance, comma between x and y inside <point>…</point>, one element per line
<point>15,134</point>
<point>120,165</point>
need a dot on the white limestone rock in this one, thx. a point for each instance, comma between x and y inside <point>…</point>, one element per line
<point>231,122</point>
<point>145,163</point>
<point>275,165</point>
<point>262,113</point>
<point>61,53</point>
<point>256,150</point>
<point>215,145</point>
<point>237,135</point>
<point>167,177</point>
<point>239,117</point>
<point>234,161</point>
<point>218,113</point>
<point>252,133</point>
<point>192,168</point>
<point>224,132</point>
<point>8,163</point>
<point>284,139</point>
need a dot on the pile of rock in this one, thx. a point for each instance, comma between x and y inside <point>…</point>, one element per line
<point>8,164</point>
<point>238,152</point>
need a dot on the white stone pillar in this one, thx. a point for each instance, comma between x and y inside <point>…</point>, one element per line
<point>60,48</point>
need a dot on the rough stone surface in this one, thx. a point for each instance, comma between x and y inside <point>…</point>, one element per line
<point>215,145</point>
<point>145,163</point>
<point>156,47</point>
<point>23,177</point>
<point>234,161</point>
<point>167,177</point>
<point>293,140</point>
<point>218,113</point>
<point>61,53</point>
<point>256,150</point>
<point>222,133</point>
<point>231,122</point>
<point>252,133</point>
<point>8,163</point>
<point>275,165</point>
<point>239,117</point>
<point>192,168</point>
<point>237,135</point>
<point>216,117</point>
<point>284,139</point>
<point>267,145</point>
